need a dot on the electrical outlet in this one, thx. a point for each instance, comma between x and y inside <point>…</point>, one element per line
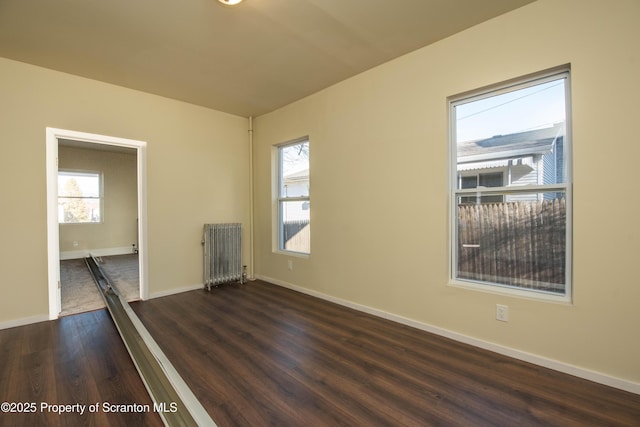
<point>290,264</point>
<point>502,312</point>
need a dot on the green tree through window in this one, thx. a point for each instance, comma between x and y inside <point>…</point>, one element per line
<point>79,197</point>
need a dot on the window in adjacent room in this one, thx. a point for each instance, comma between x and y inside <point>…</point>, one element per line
<point>294,228</point>
<point>79,197</point>
<point>511,186</point>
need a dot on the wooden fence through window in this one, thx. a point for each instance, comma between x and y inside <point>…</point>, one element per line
<point>297,234</point>
<point>516,243</point>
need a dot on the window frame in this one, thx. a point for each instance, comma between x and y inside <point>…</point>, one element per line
<point>99,198</point>
<point>281,199</point>
<point>565,187</point>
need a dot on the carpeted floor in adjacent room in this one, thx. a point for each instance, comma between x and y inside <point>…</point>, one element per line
<point>79,292</point>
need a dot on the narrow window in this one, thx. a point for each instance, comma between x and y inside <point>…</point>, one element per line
<point>79,197</point>
<point>510,195</point>
<point>294,228</point>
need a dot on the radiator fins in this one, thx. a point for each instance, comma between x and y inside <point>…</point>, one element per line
<point>222,254</point>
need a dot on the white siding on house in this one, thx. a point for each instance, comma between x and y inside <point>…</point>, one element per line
<point>296,184</point>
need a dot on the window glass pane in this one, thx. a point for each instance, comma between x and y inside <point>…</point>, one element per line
<point>469,181</point>
<point>79,197</point>
<point>535,107</point>
<point>294,165</point>
<point>71,184</point>
<point>479,199</point>
<point>78,210</point>
<point>519,243</point>
<point>490,180</point>
<point>295,227</point>
<point>522,131</point>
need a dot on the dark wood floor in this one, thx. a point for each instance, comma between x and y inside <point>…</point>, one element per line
<point>77,359</point>
<point>258,355</point>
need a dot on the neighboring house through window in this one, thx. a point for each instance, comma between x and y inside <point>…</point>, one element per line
<point>79,197</point>
<point>533,157</point>
<point>488,179</point>
<point>511,189</point>
<point>294,228</point>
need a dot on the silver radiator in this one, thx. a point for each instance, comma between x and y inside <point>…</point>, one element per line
<point>222,254</point>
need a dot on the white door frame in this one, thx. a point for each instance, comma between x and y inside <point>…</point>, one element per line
<point>53,236</point>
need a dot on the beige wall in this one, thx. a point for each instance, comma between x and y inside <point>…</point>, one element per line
<point>118,229</point>
<point>382,240</point>
<point>196,172</point>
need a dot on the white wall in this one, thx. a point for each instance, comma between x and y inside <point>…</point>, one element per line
<point>382,241</point>
<point>197,172</point>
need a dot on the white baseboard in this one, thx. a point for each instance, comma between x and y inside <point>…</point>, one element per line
<point>36,319</point>
<point>23,321</point>
<point>175,291</point>
<point>545,362</point>
<point>95,252</point>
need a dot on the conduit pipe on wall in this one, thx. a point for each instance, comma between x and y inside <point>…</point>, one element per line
<point>251,249</point>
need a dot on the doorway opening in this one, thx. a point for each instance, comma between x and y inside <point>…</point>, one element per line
<point>70,240</point>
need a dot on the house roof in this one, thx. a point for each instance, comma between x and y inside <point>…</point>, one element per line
<point>301,175</point>
<point>515,145</point>
<point>526,161</point>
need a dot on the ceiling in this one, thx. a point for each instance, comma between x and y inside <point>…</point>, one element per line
<point>246,60</point>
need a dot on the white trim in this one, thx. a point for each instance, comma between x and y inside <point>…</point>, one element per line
<point>514,189</point>
<point>558,73</point>
<point>523,82</point>
<point>176,291</point>
<point>496,289</point>
<point>53,232</point>
<point>292,254</point>
<point>124,250</point>
<point>53,237</point>
<point>556,365</point>
<point>24,321</point>
<point>279,199</point>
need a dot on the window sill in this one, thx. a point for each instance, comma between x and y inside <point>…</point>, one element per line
<point>512,292</point>
<point>292,254</point>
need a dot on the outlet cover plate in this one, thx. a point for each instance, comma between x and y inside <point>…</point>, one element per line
<point>502,313</point>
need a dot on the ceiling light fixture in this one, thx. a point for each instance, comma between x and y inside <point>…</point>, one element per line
<point>230,2</point>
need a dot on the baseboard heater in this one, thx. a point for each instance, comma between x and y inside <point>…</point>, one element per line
<point>223,254</point>
<point>156,372</point>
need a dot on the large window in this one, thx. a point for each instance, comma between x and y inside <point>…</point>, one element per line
<point>294,228</point>
<point>79,197</point>
<point>511,186</point>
